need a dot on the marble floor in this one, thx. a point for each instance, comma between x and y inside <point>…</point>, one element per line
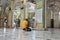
<point>19,34</point>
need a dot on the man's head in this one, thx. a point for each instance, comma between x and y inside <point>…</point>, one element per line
<point>26,19</point>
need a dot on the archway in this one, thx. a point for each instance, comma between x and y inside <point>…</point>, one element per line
<point>52,9</point>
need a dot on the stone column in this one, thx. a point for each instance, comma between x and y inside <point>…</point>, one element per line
<point>10,15</point>
<point>45,13</point>
<point>22,11</point>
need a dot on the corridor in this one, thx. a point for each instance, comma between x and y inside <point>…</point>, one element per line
<point>41,14</point>
<point>19,34</point>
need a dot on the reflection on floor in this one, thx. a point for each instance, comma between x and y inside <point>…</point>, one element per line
<point>19,34</point>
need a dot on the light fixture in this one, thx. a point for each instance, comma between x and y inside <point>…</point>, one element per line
<point>9,8</point>
<point>0,8</point>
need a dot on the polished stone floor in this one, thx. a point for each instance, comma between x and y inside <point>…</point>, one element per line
<point>19,34</point>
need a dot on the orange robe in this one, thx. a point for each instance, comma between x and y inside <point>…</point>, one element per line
<point>24,24</point>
